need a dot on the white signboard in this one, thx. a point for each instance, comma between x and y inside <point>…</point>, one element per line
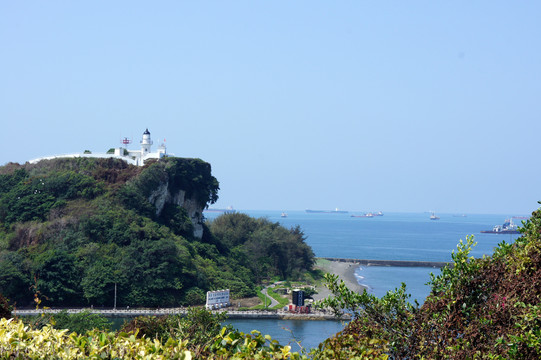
<point>217,299</point>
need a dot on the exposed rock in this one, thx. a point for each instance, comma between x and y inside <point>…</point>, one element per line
<point>162,196</point>
<point>159,197</point>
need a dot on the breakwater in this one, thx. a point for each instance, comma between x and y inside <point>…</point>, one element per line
<point>233,314</point>
<point>398,263</point>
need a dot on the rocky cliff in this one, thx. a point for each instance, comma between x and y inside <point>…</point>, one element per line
<point>70,229</point>
<point>184,183</point>
<point>189,184</point>
<point>162,195</point>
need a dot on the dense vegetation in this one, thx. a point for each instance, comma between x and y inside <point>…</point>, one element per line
<point>487,308</point>
<point>264,247</point>
<point>5,308</point>
<point>18,341</point>
<point>70,229</point>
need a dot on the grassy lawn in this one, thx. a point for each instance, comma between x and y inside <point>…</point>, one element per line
<point>313,278</point>
<point>281,300</point>
<point>261,297</point>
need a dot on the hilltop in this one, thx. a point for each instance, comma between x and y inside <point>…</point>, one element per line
<point>72,229</point>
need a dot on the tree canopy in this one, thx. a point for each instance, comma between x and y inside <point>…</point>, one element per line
<point>72,229</point>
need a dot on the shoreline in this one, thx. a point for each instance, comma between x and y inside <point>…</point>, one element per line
<point>344,270</point>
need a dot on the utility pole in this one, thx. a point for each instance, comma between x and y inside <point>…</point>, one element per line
<point>115,298</point>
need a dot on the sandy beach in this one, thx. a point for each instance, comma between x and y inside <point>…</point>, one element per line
<point>345,272</point>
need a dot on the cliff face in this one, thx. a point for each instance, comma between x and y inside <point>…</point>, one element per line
<point>162,196</point>
<point>186,183</point>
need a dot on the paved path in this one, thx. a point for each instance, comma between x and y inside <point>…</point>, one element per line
<point>250,314</point>
<point>273,302</point>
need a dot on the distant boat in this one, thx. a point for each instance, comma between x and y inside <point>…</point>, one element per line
<point>366,215</point>
<point>434,217</point>
<point>227,210</point>
<point>335,211</point>
<point>284,215</point>
<point>508,227</point>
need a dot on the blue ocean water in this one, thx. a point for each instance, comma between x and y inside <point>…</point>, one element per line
<point>393,236</point>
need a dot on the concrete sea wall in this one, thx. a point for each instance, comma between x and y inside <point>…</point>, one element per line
<point>405,263</point>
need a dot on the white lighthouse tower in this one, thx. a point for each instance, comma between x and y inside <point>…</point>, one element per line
<point>146,143</point>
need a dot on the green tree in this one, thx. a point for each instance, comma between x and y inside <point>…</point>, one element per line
<point>58,277</point>
<point>98,282</point>
<point>5,308</point>
<point>14,281</point>
<point>266,248</point>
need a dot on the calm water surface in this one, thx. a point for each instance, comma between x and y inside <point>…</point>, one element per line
<point>297,333</point>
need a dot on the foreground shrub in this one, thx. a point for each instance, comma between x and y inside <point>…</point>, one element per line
<point>199,327</point>
<point>80,322</point>
<point>488,308</point>
<point>18,341</point>
<point>77,322</point>
<point>5,308</point>
<point>22,342</point>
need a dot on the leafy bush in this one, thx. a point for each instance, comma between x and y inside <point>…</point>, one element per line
<point>198,326</point>
<point>18,341</point>
<point>77,322</point>
<point>196,336</point>
<point>486,308</point>
<point>5,308</point>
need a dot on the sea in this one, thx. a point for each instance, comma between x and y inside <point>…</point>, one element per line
<point>393,236</point>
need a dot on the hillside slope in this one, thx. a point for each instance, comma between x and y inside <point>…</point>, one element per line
<point>70,229</point>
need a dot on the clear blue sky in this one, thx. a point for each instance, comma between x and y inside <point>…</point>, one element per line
<point>360,105</point>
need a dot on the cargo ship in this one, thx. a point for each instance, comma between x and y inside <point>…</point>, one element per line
<point>367,215</point>
<point>335,211</point>
<point>227,210</point>
<point>508,227</point>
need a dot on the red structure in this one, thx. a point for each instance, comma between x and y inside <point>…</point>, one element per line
<point>299,309</point>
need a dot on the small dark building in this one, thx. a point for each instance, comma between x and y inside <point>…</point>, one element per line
<point>297,297</point>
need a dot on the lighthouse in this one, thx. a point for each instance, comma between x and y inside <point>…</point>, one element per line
<point>133,157</point>
<point>146,143</point>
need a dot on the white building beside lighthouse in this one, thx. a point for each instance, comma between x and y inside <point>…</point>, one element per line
<point>145,153</point>
<point>134,157</point>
